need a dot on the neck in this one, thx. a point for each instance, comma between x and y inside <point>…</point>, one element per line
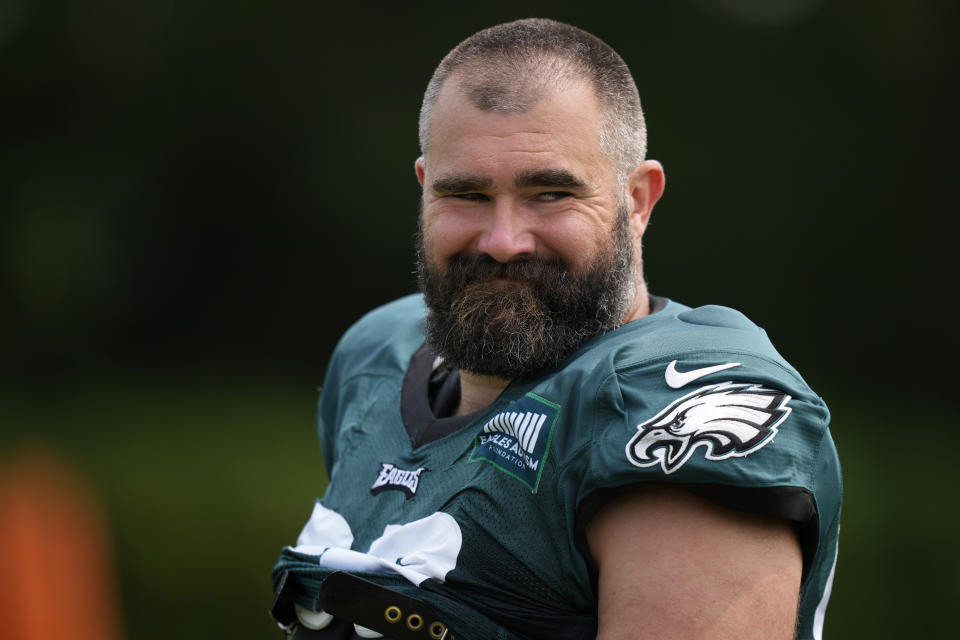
<point>478,392</point>
<point>640,305</point>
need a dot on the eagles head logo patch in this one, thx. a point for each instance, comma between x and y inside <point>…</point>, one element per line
<point>724,420</point>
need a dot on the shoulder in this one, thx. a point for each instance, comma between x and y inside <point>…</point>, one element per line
<point>402,318</point>
<point>373,352</point>
<point>668,353</point>
<point>694,396</point>
<point>383,340</point>
<point>678,332</point>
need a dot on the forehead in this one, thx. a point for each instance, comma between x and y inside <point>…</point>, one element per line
<point>560,129</point>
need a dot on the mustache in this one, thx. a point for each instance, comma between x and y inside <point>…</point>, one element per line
<point>482,267</point>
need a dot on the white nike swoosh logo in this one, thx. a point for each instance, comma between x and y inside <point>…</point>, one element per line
<point>677,379</point>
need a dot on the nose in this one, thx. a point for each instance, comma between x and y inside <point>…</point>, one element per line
<point>506,235</point>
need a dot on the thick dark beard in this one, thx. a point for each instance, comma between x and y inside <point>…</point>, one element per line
<point>544,313</point>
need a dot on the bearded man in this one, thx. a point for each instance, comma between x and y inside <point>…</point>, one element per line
<point>536,447</point>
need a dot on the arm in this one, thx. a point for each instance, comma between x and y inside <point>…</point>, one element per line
<point>674,566</point>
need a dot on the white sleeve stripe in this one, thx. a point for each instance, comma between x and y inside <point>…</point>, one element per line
<point>821,612</point>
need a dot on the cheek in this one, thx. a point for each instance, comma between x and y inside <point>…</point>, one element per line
<point>447,233</point>
<point>575,242</point>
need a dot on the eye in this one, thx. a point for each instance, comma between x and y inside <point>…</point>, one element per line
<point>470,196</point>
<point>553,196</point>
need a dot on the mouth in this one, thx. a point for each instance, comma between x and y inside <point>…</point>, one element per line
<point>519,274</point>
<point>506,281</point>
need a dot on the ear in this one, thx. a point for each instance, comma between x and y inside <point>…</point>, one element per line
<point>420,167</point>
<point>644,187</point>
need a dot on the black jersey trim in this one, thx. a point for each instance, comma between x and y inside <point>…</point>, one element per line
<point>657,304</point>
<point>419,420</point>
<point>795,504</point>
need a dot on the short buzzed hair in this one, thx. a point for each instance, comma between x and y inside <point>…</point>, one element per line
<point>509,67</point>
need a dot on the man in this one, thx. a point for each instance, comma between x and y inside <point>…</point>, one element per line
<point>536,447</point>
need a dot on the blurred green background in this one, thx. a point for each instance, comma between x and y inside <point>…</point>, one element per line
<point>197,198</point>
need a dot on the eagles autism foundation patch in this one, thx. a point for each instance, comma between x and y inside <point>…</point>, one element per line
<point>516,440</point>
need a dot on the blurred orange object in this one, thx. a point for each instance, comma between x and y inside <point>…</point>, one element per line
<point>56,569</point>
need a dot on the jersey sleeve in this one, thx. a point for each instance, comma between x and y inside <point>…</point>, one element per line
<point>746,434</point>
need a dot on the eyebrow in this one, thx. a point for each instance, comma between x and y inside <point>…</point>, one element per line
<point>559,178</point>
<point>550,178</point>
<point>460,183</point>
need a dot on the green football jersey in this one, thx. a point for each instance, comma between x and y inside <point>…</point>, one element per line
<point>485,519</point>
